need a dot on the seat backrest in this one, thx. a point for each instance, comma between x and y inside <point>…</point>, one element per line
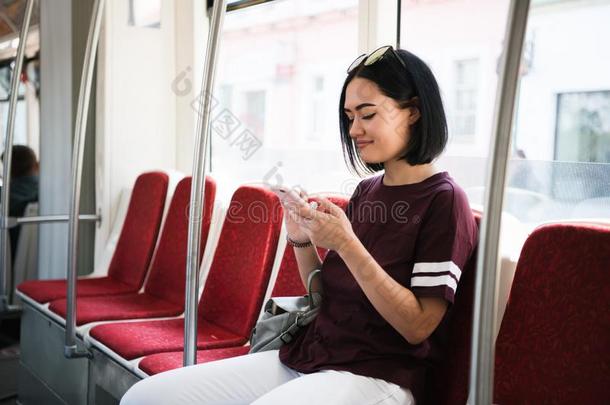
<point>241,268</point>
<point>168,270</point>
<point>554,340</point>
<point>447,382</point>
<point>288,282</point>
<point>140,230</point>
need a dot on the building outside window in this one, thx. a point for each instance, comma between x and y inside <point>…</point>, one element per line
<point>318,109</point>
<point>21,135</point>
<point>465,99</point>
<point>583,127</point>
<point>254,114</point>
<point>281,126</point>
<point>145,13</point>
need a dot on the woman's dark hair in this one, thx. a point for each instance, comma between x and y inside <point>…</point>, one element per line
<point>428,135</point>
<point>23,161</point>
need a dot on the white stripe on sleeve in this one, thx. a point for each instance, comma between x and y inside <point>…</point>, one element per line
<point>437,267</point>
<point>434,281</point>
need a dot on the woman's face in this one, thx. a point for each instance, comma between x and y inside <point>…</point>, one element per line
<point>378,127</point>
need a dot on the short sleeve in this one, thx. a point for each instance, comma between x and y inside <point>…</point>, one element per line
<point>445,242</point>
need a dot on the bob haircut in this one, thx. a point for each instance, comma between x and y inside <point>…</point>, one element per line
<point>428,135</point>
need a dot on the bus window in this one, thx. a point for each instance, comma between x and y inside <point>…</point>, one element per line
<point>559,168</point>
<point>561,140</point>
<point>275,113</point>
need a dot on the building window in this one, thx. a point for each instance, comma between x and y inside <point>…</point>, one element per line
<point>583,127</point>
<point>21,124</point>
<point>465,99</point>
<point>318,109</point>
<point>294,118</point>
<point>254,116</point>
<point>225,96</point>
<point>145,13</point>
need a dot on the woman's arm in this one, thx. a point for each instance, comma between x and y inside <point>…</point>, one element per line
<point>308,261</point>
<point>307,257</point>
<point>414,318</point>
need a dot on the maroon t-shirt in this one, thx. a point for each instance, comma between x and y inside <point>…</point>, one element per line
<point>422,235</point>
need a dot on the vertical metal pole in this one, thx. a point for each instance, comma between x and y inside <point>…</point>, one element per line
<point>198,185</point>
<point>483,344</point>
<point>70,349</point>
<point>398,20</point>
<point>5,280</point>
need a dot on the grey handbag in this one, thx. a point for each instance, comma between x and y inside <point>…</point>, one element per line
<point>283,318</point>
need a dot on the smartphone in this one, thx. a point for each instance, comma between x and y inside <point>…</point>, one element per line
<point>290,196</point>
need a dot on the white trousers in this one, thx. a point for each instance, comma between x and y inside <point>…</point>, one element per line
<point>259,379</point>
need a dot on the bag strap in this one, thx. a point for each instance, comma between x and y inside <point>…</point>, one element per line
<point>310,278</point>
<point>301,320</point>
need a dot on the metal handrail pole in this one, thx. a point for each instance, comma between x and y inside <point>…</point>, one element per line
<point>198,185</point>
<point>398,22</point>
<point>47,219</point>
<point>486,287</point>
<point>5,280</point>
<point>243,4</point>
<point>80,127</point>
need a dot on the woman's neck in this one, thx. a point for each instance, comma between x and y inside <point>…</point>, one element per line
<point>399,173</point>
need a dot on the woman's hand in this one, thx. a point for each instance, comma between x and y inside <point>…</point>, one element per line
<point>293,228</point>
<point>327,226</point>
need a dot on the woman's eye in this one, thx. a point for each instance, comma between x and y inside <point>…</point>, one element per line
<point>364,117</point>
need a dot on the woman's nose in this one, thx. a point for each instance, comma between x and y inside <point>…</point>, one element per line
<point>356,128</point>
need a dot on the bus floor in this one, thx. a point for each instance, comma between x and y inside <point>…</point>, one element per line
<point>9,359</point>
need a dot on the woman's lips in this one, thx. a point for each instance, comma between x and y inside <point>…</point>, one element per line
<point>363,144</point>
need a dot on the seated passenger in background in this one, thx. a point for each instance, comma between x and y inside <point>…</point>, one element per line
<point>389,279</point>
<point>24,186</point>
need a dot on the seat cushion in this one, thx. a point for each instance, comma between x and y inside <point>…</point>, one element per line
<point>160,362</point>
<point>48,290</point>
<point>136,339</point>
<point>118,307</point>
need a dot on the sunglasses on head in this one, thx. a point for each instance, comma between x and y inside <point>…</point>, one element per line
<point>375,56</point>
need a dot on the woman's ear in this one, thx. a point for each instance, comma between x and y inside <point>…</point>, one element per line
<point>413,106</point>
<point>414,115</point>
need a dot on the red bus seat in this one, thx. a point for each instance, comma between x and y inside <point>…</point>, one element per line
<point>233,292</point>
<point>554,340</point>
<point>133,251</point>
<point>160,362</point>
<point>288,283</point>
<point>164,290</point>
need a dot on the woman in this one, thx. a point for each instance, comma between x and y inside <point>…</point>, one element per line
<point>395,259</point>
<point>24,186</point>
